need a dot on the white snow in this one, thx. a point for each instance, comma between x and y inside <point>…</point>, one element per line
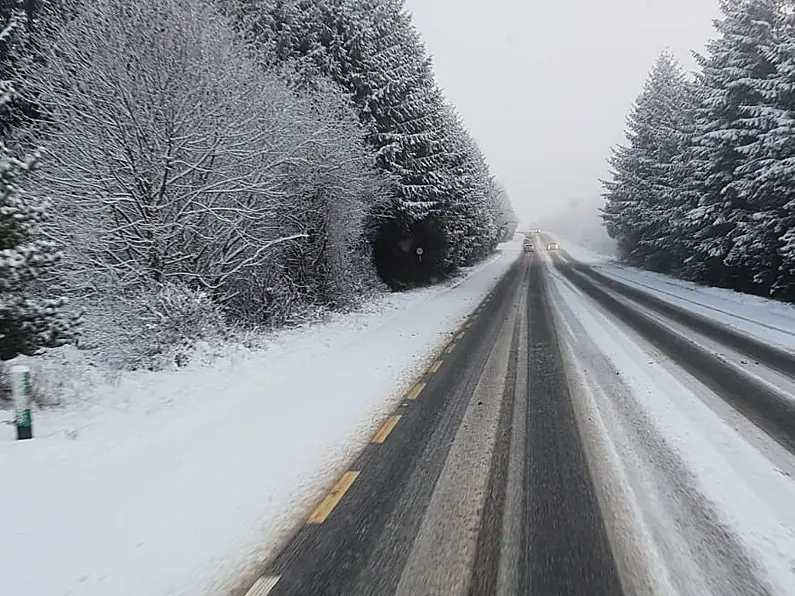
<point>750,494</point>
<point>763,318</point>
<point>181,482</point>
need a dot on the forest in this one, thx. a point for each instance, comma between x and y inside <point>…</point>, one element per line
<point>175,170</point>
<point>704,188</point>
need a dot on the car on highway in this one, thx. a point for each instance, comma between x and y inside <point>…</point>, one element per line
<point>553,246</point>
<point>527,245</point>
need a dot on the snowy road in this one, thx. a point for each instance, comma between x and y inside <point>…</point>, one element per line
<point>577,437</point>
<point>690,444</point>
<point>544,425</point>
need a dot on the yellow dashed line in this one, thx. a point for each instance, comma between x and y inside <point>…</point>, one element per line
<point>435,366</point>
<point>323,510</point>
<point>385,429</point>
<point>450,348</point>
<point>415,391</point>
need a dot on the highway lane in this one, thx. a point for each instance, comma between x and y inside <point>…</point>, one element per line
<point>492,477</point>
<point>767,405</point>
<point>672,472</point>
<point>566,549</point>
<point>458,496</point>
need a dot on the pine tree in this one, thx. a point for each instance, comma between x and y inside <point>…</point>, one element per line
<point>11,33</point>
<point>28,322</point>
<point>17,19</point>
<point>725,213</point>
<point>683,191</point>
<point>506,220</point>
<point>781,138</point>
<point>642,194</point>
<point>468,213</point>
<point>765,179</point>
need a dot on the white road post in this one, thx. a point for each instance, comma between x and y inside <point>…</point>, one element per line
<point>20,391</point>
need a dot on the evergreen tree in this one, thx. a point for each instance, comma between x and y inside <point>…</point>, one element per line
<point>737,60</point>
<point>765,179</point>
<point>683,192</point>
<point>17,18</point>
<point>506,220</point>
<point>642,194</point>
<point>28,322</point>
<point>372,50</point>
<point>469,215</point>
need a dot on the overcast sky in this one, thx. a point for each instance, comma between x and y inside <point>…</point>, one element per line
<point>545,85</point>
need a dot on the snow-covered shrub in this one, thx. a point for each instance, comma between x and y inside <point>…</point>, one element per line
<point>175,157</point>
<point>64,375</point>
<point>152,327</point>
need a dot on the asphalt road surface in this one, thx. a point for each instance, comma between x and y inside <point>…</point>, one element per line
<point>482,481</point>
<point>450,498</point>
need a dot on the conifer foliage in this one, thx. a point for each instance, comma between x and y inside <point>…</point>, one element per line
<point>442,200</point>
<point>29,319</point>
<point>705,186</point>
<point>645,171</point>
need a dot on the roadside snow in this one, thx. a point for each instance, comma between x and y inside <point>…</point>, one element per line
<point>182,482</point>
<point>768,320</point>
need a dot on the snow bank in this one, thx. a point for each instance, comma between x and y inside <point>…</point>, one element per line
<point>181,482</point>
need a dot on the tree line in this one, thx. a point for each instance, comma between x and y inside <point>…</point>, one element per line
<point>705,186</point>
<point>173,169</point>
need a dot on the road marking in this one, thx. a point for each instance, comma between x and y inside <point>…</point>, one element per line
<point>264,585</point>
<point>450,348</point>
<point>436,366</point>
<point>415,391</point>
<point>385,429</point>
<point>323,510</point>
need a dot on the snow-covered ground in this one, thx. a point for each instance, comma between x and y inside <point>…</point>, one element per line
<point>180,482</point>
<point>703,509</point>
<point>768,320</point>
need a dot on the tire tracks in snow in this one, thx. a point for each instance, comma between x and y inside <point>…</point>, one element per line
<point>651,497</point>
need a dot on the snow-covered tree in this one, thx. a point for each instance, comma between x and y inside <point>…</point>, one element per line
<point>724,213</point>
<point>17,27</point>
<point>765,242</point>
<point>29,319</point>
<point>371,49</point>
<point>780,139</point>
<point>735,62</point>
<point>507,221</point>
<point>469,215</point>
<point>12,18</point>
<point>643,192</point>
<point>175,158</point>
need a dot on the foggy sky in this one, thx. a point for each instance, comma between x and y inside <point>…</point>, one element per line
<point>545,85</point>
